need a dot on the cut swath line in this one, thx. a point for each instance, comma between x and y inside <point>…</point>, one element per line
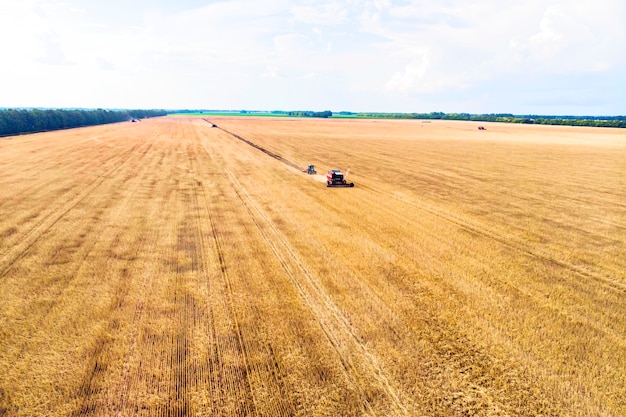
<point>264,150</point>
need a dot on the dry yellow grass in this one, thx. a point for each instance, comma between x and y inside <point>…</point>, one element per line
<point>167,268</point>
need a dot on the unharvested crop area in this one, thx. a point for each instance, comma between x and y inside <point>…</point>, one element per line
<point>169,268</point>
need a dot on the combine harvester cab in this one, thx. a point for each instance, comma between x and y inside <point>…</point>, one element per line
<point>335,178</point>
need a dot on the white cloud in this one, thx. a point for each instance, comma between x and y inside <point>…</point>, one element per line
<point>469,44</point>
<point>321,14</point>
<point>577,37</point>
<point>425,75</point>
<point>290,44</point>
<point>52,51</point>
<point>105,65</point>
<point>413,78</point>
<point>266,52</point>
<point>271,72</point>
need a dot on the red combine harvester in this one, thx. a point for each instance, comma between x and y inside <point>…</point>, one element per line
<point>335,178</point>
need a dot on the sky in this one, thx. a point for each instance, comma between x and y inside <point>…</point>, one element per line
<point>544,57</point>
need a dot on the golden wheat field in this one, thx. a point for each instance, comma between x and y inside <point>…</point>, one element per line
<point>171,268</point>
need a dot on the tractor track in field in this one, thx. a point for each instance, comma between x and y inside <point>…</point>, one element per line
<point>124,387</point>
<point>228,298</point>
<point>333,322</point>
<point>226,344</point>
<point>215,354</point>
<point>91,388</point>
<point>14,254</point>
<point>120,395</point>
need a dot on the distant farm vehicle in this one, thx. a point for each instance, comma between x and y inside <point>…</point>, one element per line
<point>335,178</point>
<point>481,128</point>
<point>311,170</point>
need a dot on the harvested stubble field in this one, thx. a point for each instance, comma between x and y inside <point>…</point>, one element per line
<point>168,268</point>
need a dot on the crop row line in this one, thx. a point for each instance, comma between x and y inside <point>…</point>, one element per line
<point>268,364</point>
<point>520,248</point>
<point>33,235</point>
<point>249,402</point>
<point>510,242</point>
<point>333,322</point>
<point>478,229</point>
<point>91,385</point>
<point>515,244</point>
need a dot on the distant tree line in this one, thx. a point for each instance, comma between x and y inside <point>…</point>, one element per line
<point>596,121</point>
<point>302,113</point>
<point>15,122</point>
<point>297,113</point>
<point>323,114</point>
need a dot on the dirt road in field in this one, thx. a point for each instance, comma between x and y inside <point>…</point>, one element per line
<point>193,270</point>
